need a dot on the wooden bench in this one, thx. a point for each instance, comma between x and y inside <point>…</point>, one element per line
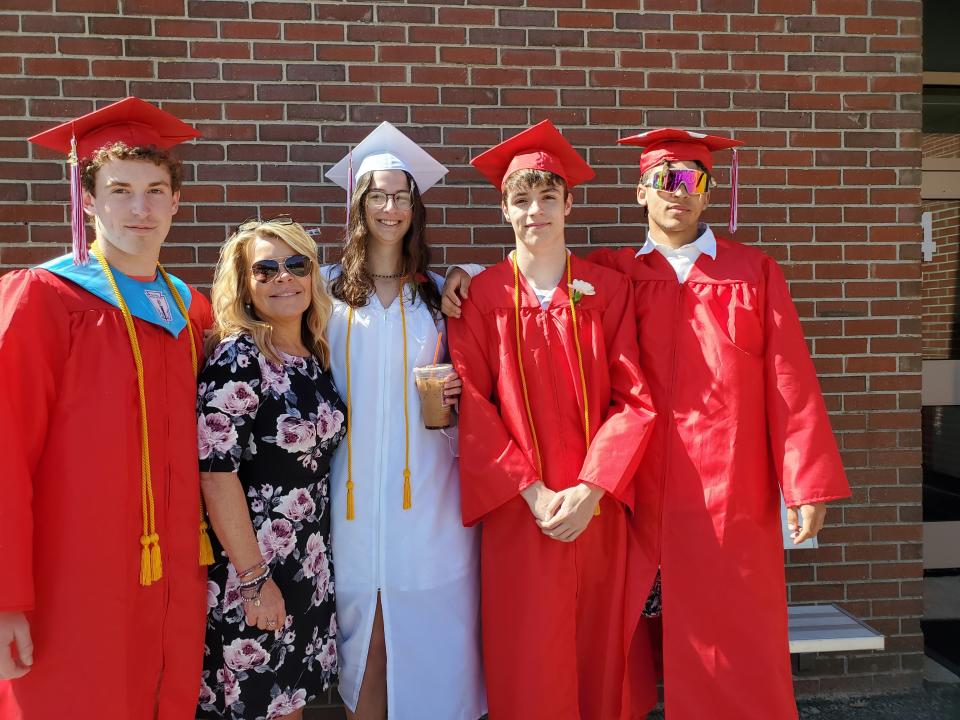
<point>827,628</point>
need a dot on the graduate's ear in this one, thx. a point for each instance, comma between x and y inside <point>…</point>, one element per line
<point>89,203</point>
<point>176,202</point>
<point>568,204</point>
<point>642,195</point>
<point>503,209</point>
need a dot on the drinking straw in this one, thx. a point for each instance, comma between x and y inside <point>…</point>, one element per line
<point>436,353</point>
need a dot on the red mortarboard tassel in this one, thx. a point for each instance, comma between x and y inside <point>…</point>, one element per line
<point>734,172</point>
<point>78,227</point>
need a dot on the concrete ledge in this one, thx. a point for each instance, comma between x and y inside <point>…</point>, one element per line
<point>827,628</point>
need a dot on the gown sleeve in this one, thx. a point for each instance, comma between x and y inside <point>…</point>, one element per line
<point>228,398</point>
<point>616,449</point>
<point>802,445</point>
<point>34,342</point>
<point>493,468</point>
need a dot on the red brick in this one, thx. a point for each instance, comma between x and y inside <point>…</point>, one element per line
<point>406,53</point>
<point>253,30</point>
<point>578,20</point>
<point>526,58</point>
<point>153,7</point>
<point>466,16</point>
<point>468,55</point>
<point>280,11</point>
<point>218,9</point>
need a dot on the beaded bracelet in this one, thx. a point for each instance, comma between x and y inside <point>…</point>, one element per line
<point>259,566</point>
<point>259,580</point>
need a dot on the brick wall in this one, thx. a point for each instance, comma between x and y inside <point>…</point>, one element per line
<point>826,94</point>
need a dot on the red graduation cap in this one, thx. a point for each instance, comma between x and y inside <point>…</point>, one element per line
<point>540,147</point>
<point>132,121</point>
<point>672,145</point>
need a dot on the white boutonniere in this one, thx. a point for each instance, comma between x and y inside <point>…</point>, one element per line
<point>581,288</point>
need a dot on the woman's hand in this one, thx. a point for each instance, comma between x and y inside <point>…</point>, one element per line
<point>271,614</point>
<point>452,387</point>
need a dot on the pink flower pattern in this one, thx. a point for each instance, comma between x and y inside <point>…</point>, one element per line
<point>216,434</point>
<point>284,704</point>
<point>296,505</point>
<point>235,398</point>
<point>295,435</point>
<point>277,427</point>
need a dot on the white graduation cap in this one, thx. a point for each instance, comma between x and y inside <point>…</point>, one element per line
<point>386,148</point>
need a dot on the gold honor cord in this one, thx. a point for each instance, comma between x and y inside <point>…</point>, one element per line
<point>407,490</point>
<point>206,549</point>
<point>151,565</point>
<point>523,378</point>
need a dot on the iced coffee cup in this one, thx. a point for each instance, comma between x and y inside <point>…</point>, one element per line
<point>430,381</point>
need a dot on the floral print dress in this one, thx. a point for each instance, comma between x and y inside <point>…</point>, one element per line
<point>277,427</point>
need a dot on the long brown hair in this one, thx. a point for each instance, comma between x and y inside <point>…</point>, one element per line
<point>354,284</point>
<point>233,312</point>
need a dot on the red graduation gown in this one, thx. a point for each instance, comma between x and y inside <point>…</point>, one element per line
<point>551,611</point>
<point>739,413</point>
<point>70,518</point>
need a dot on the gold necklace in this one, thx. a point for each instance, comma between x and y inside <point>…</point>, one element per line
<point>151,565</point>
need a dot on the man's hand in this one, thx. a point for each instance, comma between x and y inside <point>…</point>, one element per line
<point>16,647</point>
<point>571,511</point>
<point>538,497</point>
<point>456,286</point>
<point>813,518</point>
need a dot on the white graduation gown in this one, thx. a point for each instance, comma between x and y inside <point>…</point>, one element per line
<point>422,560</point>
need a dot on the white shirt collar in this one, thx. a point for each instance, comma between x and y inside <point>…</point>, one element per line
<point>705,243</point>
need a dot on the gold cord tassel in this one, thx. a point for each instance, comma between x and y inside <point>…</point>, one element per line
<point>350,514</point>
<point>146,574</point>
<point>206,548</point>
<point>407,491</point>
<point>155,562</point>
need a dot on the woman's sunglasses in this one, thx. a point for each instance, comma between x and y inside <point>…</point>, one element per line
<point>668,180</point>
<point>265,271</point>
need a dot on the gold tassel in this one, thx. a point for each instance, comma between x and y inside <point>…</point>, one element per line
<point>596,510</point>
<point>350,514</point>
<point>146,577</point>
<point>155,562</point>
<point>407,492</point>
<point>206,549</point>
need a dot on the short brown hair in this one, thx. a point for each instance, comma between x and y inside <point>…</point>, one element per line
<point>122,151</point>
<point>530,178</point>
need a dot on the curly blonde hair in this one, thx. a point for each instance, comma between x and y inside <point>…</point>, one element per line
<point>233,312</point>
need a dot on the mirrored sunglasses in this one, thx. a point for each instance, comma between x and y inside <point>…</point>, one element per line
<point>378,199</point>
<point>668,180</point>
<point>265,271</point>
